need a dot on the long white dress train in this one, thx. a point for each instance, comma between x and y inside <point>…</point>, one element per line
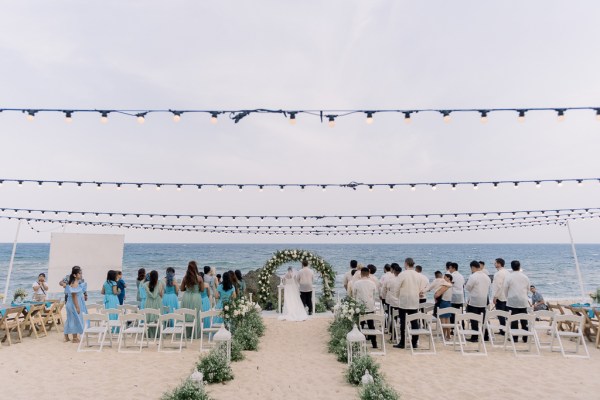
<point>293,309</point>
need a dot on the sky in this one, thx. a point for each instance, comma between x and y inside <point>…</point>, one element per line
<point>302,55</point>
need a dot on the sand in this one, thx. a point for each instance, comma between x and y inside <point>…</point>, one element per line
<point>292,363</point>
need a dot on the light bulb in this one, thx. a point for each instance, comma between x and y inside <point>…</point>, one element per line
<point>140,118</point>
<point>521,117</point>
<point>559,183</point>
<point>30,115</point>
<point>434,187</point>
<point>475,186</point>
<point>213,118</point>
<point>561,115</point>
<point>413,188</point>
<point>484,117</point>
<point>68,117</point>
<point>219,188</point>
<point>292,118</point>
<point>407,117</point>
<point>369,118</point>
<point>104,117</point>
<point>391,188</point>
<point>446,117</point>
<point>176,117</point>
<point>157,188</point>
<point>538,185</point>
<point>331,122</point>
<point>598,114</point>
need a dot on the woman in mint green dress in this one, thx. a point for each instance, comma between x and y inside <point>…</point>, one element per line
<point>110,291</point>
<point>170,299</point>
<point>192,285</point>
<point>154,295</point>
<point>205,302</point>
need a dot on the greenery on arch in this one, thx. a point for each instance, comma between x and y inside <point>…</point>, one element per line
<point>289,255</point>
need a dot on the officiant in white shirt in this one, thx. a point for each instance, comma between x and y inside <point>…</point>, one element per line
<point>365,290</point>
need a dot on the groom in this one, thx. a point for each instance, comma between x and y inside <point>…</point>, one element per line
<point>305,283</point>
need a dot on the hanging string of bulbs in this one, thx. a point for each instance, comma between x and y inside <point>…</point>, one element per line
<point>298,231</point>
<point>516,183</point>
<point>426,216</point>
<point>325,115</point>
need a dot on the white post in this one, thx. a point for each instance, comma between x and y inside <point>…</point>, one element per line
<point>576,263</point>
<point>12,259</point>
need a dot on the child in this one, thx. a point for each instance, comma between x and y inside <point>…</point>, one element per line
<point>121,285</point>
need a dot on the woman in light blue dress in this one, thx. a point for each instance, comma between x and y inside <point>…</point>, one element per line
<point>74,322</point>
<point>110,291</point>
<point>192,285</point>
<point>205,295</point>
<point>170,299</point>
<point>225,292</point>
<point>141,291</point>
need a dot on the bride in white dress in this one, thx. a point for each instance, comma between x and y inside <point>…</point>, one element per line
<point>293,309</point>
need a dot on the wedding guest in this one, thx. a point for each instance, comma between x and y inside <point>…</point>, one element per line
<point>423,284</point>
<point>110,292</point>
<point>387,269</point>
<point>458,283</point>
<point>218,279</point>
<point>478,286</point>
<point>351,281</point>
<point>305,279</point>
<point>192,285</point>
<point>75,306</point>
<point>141,277</point>
<point>225,292</point>
<point>206,295</point>
<point>365,290</point>
<point>171,291</point>
<point>121,285</point>
<point>433,287</point>
<point>408,300</point>
<point>235,282</point>
<point>348,275</point>
<point>515,287</point>
<point>443,297</point>
<point>241,283</point>
<point>65,281</point>
<point>372,270</point>
<point>537,300</point>
<point>39,288</point>
<point>483,269</point>
<point>390,290</point>
<point>498,294</point>
<point>154,293</point>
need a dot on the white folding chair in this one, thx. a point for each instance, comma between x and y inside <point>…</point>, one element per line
<point>462,321</point>
<point>94,324</point>
<point>576,332</point>
<point>132,324</point>
<point>530,334</point>
<point>151,317</point>
<point>132,303</point>
<point>378,322</point>
<point>189,321</point>
<point>127,309</point>
<point>544,322</point>
<point>426,307</point>
<point>211,329</point>
<point>113,324</point>
<point>423,330</point>
<point>177,329</point>
<point>440,326</point>
<point>493,325</point>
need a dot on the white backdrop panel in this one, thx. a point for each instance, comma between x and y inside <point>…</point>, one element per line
<point>94,253</point>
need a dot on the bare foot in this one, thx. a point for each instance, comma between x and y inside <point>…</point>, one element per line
<point>76,340</point>
<point>67,339</point>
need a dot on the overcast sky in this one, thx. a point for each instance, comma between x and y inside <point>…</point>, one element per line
<point>301,55</point>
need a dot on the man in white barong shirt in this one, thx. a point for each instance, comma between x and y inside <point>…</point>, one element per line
<point>408,300</point>
<point>478,287</point>
<point>516,287</point>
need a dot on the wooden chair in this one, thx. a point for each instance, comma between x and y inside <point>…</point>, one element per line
<point>49,317</point>
<point>34,319</point>
<point>11,321</point>
<point>597,314</point>
<point>590,327</point>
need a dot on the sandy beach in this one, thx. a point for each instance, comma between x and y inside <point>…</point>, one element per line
<point>292,363</point>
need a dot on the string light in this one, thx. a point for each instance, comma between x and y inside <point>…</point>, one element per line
<point>521,117</point>
<point>561,115</point>
<point>68,116</point>
<point>141,117</point>
<point>293,118</point>
<point>30,115</point>
<point>407,117</point>
<point>484,117</point>
<point>176,116</point>
<point>213,117</point>
<point>369,118</point>
<point>104,117</point>
<point>446,116</point>
<point>598,114</point>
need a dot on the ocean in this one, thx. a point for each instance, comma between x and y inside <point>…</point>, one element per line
<point>550,267</point>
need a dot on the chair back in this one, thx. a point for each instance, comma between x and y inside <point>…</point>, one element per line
<point>449,310</point>
<point>111,311</point>
<point>426,307</point>
<point>151,311</point>
<point>420,317</point>
<point>545,315</point>
<point>186,311</point>
<point>494,314</point>
<point>378,319</point>
<point>576,321</point>
<point>127,308</point>
<point>134,318</point>
<point>469,317</point>
<point>530,318</point>
<point>100,318</point>
<point>165,318</point>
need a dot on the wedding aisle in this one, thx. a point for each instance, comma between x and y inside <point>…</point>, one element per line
<point>292,363</point>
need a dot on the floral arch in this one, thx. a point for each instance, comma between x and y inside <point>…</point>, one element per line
<point>284,256</point>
